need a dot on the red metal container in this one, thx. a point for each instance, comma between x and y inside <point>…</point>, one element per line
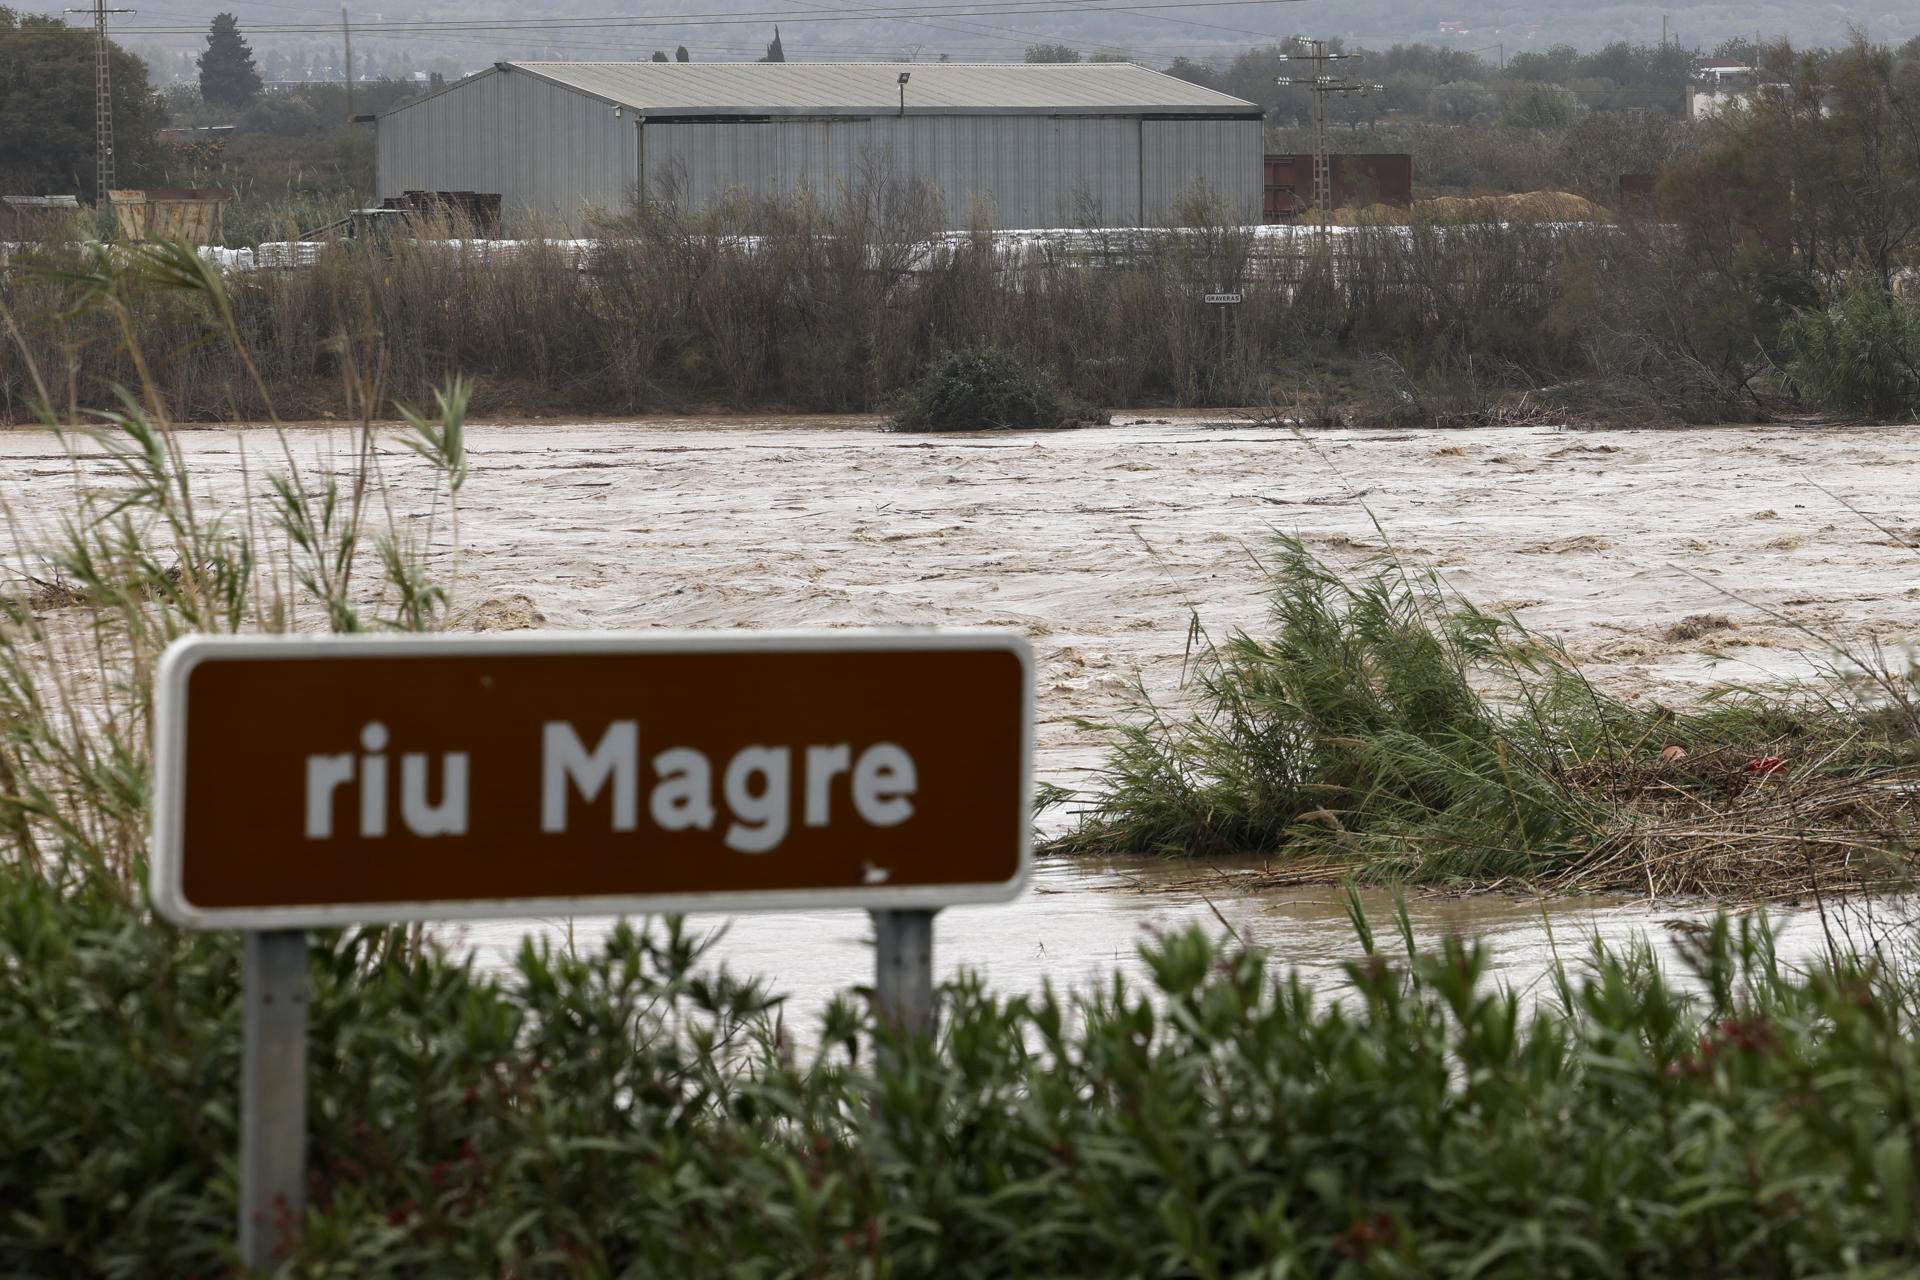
<point>1357,180</point>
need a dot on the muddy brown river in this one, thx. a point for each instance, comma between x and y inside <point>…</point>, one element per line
<point>1078,923</point>
<point>1098,545</point>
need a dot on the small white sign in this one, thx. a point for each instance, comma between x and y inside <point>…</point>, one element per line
<point>1223,298</point>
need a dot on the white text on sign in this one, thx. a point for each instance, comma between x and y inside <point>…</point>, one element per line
<point>757,786</point>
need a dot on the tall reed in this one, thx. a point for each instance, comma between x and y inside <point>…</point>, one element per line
<point>154,553</point>
<point>814,304</point>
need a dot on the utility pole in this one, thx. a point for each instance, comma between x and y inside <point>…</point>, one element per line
<point>346,35</point>
<point>1324,87</point>
<point>102,100</point>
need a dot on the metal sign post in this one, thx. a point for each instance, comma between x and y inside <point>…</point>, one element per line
<point>903,969</point>
<point>1220,302</point>
<point>273,1094</point>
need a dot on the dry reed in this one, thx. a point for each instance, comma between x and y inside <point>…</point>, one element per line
<point>838,305</point>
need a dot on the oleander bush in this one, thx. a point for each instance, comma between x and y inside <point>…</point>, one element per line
<point>631,1112</point>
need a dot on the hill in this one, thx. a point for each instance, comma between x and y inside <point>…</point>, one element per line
<point>298,41</point>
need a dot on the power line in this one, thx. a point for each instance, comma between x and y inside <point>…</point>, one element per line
<point>969,8</point>
<point>1212,47</point>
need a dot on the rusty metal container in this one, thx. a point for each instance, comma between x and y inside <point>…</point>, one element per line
<point>1358,180</point>
<point>193,214</point>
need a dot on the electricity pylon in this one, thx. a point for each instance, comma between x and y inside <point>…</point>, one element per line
<point>102,100</point>
<point>1324,86</point>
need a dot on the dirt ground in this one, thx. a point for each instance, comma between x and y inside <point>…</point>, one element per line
<point>1096,544</point>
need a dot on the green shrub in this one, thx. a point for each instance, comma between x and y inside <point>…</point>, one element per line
<point>978,390</point>
<point>1540,106</point>
<point>627,1113</point>
<point>1860,355</point>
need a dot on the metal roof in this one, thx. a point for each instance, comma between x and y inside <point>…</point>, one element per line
<point>872,88</point>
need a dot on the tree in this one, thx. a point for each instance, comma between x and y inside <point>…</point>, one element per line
<point>1556,66</point>
<point>659,56</point>
<point>1052,53</point>
<point>774,52</point>
<point>1804,195</point>
<point>285,116</point>
<point>1540,106</point>
<point>228,77</point>
<point>1192,72</point>
<point>1459,102</point>
<point>46,110</point>
<point>1406,90</point>
<point>680,54</point>
<point>1606,144</point>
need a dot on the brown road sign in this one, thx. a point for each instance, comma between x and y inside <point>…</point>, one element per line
<point>324,781</point>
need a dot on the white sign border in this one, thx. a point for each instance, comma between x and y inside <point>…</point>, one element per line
<point>166,869</point>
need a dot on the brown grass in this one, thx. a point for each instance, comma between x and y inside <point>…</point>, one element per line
<point>837,307</point>
<point>1734,825</point>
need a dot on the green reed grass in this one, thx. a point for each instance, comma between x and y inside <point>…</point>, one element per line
<point>1381,727</point>
<point>154,554</point>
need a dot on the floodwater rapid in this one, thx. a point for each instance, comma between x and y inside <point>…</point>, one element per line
<point>1079,922</point>
<point>1101,547</point>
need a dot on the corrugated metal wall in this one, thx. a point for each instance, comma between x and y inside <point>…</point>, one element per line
<point>1019,171</point>
<point>544,150</point>
<point>549,150</point>
<point>1226,157</point>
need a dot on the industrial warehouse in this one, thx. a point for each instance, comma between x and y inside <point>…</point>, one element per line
<point>1096,145</point>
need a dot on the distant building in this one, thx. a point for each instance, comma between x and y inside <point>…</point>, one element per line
<point>1030,145</point>
<point>1716,85</point>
